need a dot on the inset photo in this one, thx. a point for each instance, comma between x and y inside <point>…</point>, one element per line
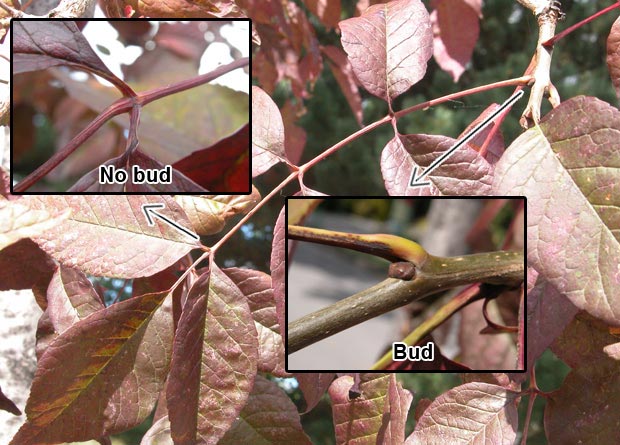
<point>130,106</point>
<point>406,284</point>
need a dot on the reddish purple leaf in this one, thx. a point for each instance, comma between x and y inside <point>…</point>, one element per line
<point>476,5</point>
<point>158,282</point>
<point>179,183</point>
<point>396,409</point>
<point>566,169</point>
<point>269,417</point>
<point>613,55</point>
<point>7,404</point>
<point>343,72</point>
<point>173,8</point>
<point>584,410</point>
<point>70,298</point>
<point>278,254</point>
<point>456,29</point>
<point>496,146</point>
<point>389,46</point>
<point>479,351</point>
<point>548,314</point>
<point>213,361</point>
<point>267,133</point>
<point>223,167</point>
<point>256,286</point>
<point>158,433</point>
<point>328,11</point>
<point>465,172</point>
<point>18,219</point>
<point>110,236</point>
<point>486,414</point>
<point>208,214</point>
<point>582,347</point>
<point>41,44</point>
<point>313,386</point>
<point>88,379</point>
<point>377,415</point>
<point>494,378</point>
<point>13,274</point>
<point>294,136</point>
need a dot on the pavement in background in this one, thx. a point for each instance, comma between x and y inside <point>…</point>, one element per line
<point>321,275</point>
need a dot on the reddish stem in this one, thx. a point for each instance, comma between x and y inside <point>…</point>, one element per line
<point>263,201</point>
<point>157,93</point>
<point>570,29</point>
<point>121,106</point>
<point>519,81</point>
<point>510,82</point>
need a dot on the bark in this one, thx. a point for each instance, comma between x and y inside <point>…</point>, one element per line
<point>19,315</point>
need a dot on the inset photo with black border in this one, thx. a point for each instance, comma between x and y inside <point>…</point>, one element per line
<point>406,284</point>
<point>130,106</point>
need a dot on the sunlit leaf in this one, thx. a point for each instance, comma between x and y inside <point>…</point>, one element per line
<point>19,220</point>
<point>567,167</point>
<point>91,374</point>
<point>486,414</point>
<point>267,133</point>
<point>208,214</point>
<point>110,236</point>
<point>268,418</point>
<point>214,361</point>
<point>389,46</point>
<point>377,415</point>
<point>278,268</point>
<point>256,286</point>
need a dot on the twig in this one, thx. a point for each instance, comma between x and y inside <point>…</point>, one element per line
<point>549,43</point>
<point>119,107</point>
<point>14,12</point>
<point>547,20</point>
<point>495,268</point>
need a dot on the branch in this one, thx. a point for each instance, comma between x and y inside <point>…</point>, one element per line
<point>119,107</point>
<point>504,268</point>
<point>547,19</point>
<point>73,8</point>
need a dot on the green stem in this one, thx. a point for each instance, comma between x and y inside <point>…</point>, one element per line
<point>437,274</point>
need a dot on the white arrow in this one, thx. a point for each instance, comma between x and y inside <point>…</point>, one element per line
<point>415,181</point>
<point>149,212</point>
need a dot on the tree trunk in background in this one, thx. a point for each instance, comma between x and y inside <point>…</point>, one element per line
<point>19,314</point>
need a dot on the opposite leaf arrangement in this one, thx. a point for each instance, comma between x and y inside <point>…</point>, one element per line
<point>222,167</point>
<point>199,341</point>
